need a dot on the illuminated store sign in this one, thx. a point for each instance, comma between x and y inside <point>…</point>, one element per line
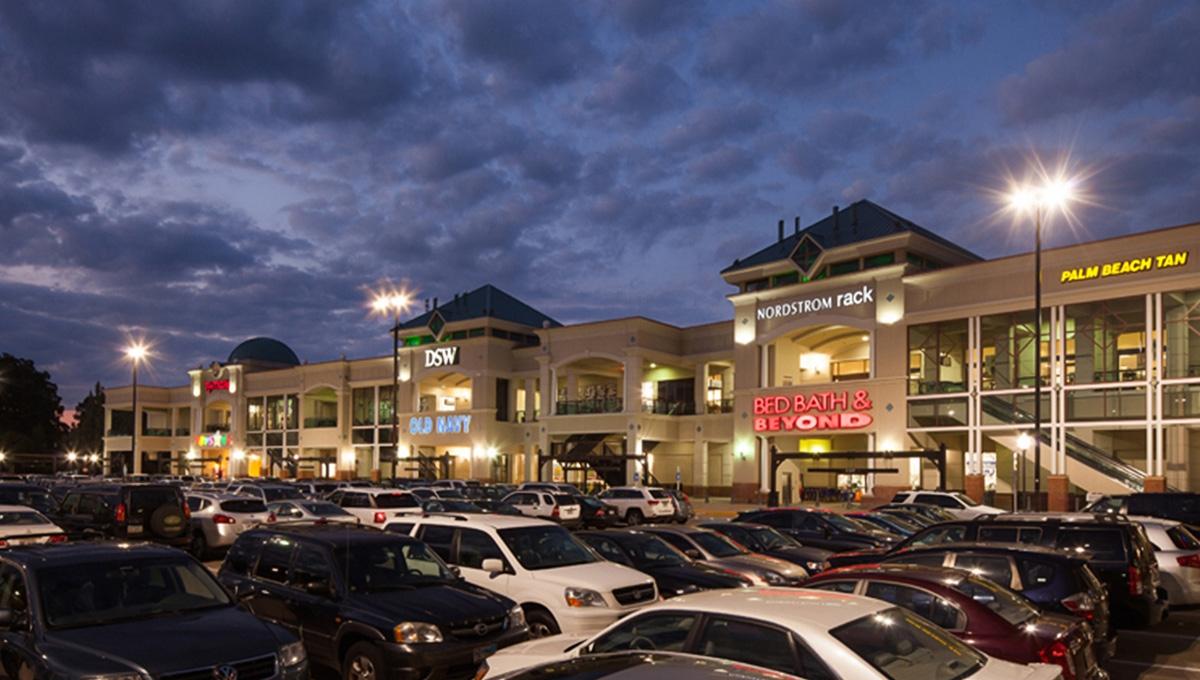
<point>820,411</point>
<point>1135,265</point>
<point>441,356</point>
<point>440,424</point>
<point>819,303</point>
<point>216,385</point>
<point>215,440</point>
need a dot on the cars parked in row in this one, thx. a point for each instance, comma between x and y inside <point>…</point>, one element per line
<point>151,512</point>
<point>1180,506</point>
<point>376,505</point>
<point>317,512</point>
<point>559,507</point>
<point>763,540</point>
<point>636,665</point>
<point>714,549</point>
<point>954,502</point>
<point>638,504</point>
<point>673,572</point>
<point>1177,552</point>
<point>819,528</point>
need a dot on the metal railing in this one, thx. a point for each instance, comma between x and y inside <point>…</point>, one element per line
<point>719,406</point>
<point>588,406</point>
<point>664,407</point>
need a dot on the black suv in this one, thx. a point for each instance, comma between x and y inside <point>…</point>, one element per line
<point>1120,554</point>
<point>1179,506</point>
<point>149,512</point>
<point>819,528</point>
<point>764,540</point>
<point>370,603</point>
<point>103,610</point>
<point>1054,580</point>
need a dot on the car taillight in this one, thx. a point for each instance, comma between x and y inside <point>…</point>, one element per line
<point>1081,605</point>
<point>271,518</point>
<point>651,502</point>
<point>58,538</point>
<point>1135,580</point>
<point>119,513</point>
<point>187,511</point>
<point>1189,560</point>
<point>1058,654</point>
<point>554,512</point>
<point>223,519</point>
<point>3,543</point>
<point>380,517</point>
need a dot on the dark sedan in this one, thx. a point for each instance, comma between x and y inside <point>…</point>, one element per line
<point>764,540</point>
<point>673,572</point>
<point>596,514</point>
<point>886,522</point>
<point>820,528</point>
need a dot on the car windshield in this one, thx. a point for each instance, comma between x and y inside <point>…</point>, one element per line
<point>379,566</point>
<point>844,523</point>
<point>324,510</point>
<point>904,646</point>
<point>546,547</point>
<point>716,544</point>
<point>1183,538</point>
<point>280,493</point>
<point>770,539</point>
<point>965,499</point>
<point>1008,605</point>
<point>22,518</point>
<point>97,593</point>
<point>396,500</point>
<point>651,551</point>
<point>244,505</point>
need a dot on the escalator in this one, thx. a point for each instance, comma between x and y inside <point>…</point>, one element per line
<point>1088,466</point>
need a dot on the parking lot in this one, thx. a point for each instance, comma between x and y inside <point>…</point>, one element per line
<point>1169,650</point>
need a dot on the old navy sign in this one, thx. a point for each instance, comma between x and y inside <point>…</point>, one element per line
<point>441,424</point>
<point>441,356</point>
<point>819,411</point>
<point>819,303</point>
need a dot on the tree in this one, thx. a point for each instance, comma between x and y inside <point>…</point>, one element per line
<point>87,432</point>
<point>30,408</point>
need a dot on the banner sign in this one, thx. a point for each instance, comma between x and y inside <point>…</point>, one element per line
<point>441,424</point>
<point>216,440</point>
<point>819,411</point>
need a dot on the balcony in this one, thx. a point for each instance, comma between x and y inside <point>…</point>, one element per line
<point>522,416</point>
<point>313,423</point>
<point>663,407</point>
<point>588,406</point>
<point>719,406</point>
<point>156,432</point>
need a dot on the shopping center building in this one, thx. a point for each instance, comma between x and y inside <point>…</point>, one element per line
<point>862,350</point>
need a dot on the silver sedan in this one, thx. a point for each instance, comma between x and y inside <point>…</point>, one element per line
<point>1177,551</point>
<point>711,548</point>
<point>320,512</point>
<point>218,519</point>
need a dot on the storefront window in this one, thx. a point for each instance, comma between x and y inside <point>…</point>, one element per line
<point>364,405</point>
<point>1106,341</point>
<point>254,416</point>
<point>1006,348</point>
<point>1181,334</point>
<point>1181,401</point>
<point>385,405</point>
<point>293,412</point>
<point>276,413</point>
<point>1112,404</point>
<point>936,357</point>
<point>937,413</point>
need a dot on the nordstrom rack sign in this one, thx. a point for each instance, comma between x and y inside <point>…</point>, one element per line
<point>818,303</point>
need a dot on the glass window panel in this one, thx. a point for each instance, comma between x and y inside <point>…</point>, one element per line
<point>1106,341</point>
<point>364,406</point>
<point>1181,401</point>
<point>1181,334</point>
<point>936,357</point>
<point>937,413</point>
<point>1007,349</point>
<point>1112,404</point>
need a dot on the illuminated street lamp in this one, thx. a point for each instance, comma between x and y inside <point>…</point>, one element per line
<point>393,303</point>
<point>1052,194</point>
<point>135,353</point>
<point>1024,441</point>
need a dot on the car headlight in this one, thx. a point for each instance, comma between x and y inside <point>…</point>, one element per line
<point>812,567</point>
<point>292,655</point>
<point>516,617</point>
<point>773,578</point>
<point>584,597</point>
<point>414,632</point>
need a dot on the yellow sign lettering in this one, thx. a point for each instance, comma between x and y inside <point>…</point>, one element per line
<point>1135,265</point>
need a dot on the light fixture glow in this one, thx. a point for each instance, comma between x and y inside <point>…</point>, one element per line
<point>137,351</point>
<point>1024,441</point>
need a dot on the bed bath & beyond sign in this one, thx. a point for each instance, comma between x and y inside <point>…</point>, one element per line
<point>819,411</point>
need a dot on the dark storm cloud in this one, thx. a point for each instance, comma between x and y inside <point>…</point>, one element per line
<point>638,88</point>
<point>651,17</point>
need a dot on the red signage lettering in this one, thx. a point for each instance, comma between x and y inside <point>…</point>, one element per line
<point>216,385</point>
<point>819,411</point>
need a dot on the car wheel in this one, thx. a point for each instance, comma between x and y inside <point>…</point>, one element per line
<point>363,662</point>
<point>199,545</point>
<point>633,518</point>
<point>541,624</point>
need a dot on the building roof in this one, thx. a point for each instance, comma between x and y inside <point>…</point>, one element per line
<point>263,351</point>
<point>485,301</point>
<point>860,221</point>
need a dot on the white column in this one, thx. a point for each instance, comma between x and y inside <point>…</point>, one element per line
<point>701,388</point>
<point>530,404</point>
<point>700,466</point>
<point>764,464</point>
<point>633,385</point>
<point>634,465</point>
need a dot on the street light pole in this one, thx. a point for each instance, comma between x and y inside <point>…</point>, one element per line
<point>136,422</point>
<point>395,392</point>
<point>1037,359</point>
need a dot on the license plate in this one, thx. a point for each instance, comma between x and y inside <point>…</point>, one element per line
<point>484,652</point>
<point>134,530</point>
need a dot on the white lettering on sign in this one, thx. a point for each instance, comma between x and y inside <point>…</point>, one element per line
<point>455,424</point>
<point>822,303</point>
<point>441,356</point>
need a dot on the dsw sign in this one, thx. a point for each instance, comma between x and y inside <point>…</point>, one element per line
<point>441,356</point>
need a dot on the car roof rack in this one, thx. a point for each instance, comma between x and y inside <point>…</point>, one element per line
<point>456,517</point>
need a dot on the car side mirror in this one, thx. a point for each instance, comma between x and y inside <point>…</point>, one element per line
<point>694,554</point>
<point>493,566</point>
<point>456,571</point>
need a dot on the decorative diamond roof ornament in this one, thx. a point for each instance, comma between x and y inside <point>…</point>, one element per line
<point>437,324</point>
<point>805,255</point>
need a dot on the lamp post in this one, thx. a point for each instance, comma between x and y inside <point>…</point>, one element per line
<point>136,353</point>
<point>393,303</point>
<point>1051,194</point>
<point>1023,443</point>
<point>71,458</point>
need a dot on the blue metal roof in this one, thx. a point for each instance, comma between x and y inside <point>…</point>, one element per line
<point>484,302</point>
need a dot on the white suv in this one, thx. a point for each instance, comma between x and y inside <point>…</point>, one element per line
<point>375,506</point>
<point>558,507</point>
<point>563,586</point>
<point>958,504</point>
<point>637,504</point>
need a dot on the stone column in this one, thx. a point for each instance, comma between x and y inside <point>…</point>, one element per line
<point>700,467</point>
<point>530,404</point>
<point>633,385</point>
<point>701,389</point>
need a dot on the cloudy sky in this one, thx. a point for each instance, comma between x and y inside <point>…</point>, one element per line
<point>198,173</point>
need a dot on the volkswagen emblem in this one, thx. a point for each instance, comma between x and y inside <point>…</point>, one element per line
<point>481,629</point>
<point>225,673</point>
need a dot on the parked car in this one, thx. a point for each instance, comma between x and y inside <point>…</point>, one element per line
<point>217,520</point>
<point>886,522</point>
<point>989,617</point>
<point>450,505</point>
<point>711,548</point>
<point>763,540</point>
<point>552,487</point>
<point>819,528</point>
<point>1054,580</point>
<point>153,512</point>
<point>117,611</point>
<point>556,507</point>
<point>634,665</point>
<point>500,508</point>
<point>954,502</point>
<point>367,603</point>
<point>317,512</point>
<point>21,525</point>
<point>801,633</point>
<point>318,489</point>
<point>915,513</point>
<point>684,511</point>
<point>562,584</point>
<point>1179,506</point>
<point>673,572</point>
<point>426,493</point>
<point>1177,551</point>
<point>30,495</point>
<point>596,514</point>
<point>376,505</point>
<point>1121,555</point>
<point>637,504</point>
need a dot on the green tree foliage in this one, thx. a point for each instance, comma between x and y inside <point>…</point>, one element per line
<point>30,408</point>
<point>87,432</point>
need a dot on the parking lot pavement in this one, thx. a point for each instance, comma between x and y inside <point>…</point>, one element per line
<point>1169,650</point>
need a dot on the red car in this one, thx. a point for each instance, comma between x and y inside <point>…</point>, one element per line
<point>987,616</point>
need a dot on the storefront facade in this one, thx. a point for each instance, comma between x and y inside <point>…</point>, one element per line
<point>862,332</point>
